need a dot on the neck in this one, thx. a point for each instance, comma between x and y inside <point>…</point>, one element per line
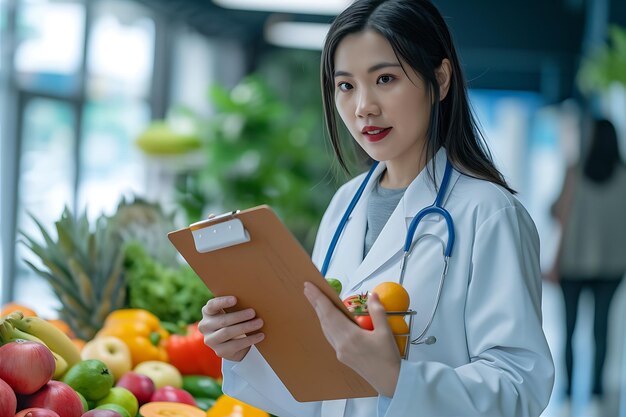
<point>400,174</point>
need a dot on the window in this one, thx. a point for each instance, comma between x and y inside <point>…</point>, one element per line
<point>84,92</point>
<point>49,55</point>
<point>110,164</point>
<point>45,184</point>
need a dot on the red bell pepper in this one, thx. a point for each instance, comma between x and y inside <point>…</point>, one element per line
<point>191,356</point>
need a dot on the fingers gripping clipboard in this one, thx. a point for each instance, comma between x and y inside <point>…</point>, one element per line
<point>253,256</point>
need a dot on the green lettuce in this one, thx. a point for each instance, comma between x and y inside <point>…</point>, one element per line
<point>174,295</point>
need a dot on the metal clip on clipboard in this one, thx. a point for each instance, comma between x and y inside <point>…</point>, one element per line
<point>215,233</point>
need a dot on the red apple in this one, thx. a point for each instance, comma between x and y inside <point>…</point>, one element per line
<point>101,413</point>
<point>26,366</point>
<point>36,412</point>
<point>8,402</point>
<point>57,396</point>
<point>173,395</point>
<point>140,385</point>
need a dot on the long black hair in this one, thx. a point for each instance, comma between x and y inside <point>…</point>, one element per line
<point>419,35</point>
<point>603,156</point>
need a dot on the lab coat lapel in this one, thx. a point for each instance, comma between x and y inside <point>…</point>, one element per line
<point>389,245</point>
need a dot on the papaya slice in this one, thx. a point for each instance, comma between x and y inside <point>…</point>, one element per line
<point>169,409</point>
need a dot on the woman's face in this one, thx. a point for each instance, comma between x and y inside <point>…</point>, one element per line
<point>386,111</point>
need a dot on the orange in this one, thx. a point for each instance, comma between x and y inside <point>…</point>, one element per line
<point>392,296</point>
<point>9,308</point>
<point>399,327</point>
<point>79,343</point>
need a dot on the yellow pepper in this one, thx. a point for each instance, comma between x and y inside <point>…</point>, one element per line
<point>228,406</point>
<point>141,331</point>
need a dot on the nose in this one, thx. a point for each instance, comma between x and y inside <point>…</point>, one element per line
<point>367,105</point>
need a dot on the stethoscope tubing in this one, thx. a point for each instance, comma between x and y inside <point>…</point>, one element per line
<point>435,208</point>
<point>345,217</point>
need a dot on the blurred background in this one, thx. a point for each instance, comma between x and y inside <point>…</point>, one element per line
<point>145,115</point>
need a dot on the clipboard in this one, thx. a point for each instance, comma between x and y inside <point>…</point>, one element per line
<point>253,256</point>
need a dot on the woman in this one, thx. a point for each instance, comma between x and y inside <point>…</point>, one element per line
<point>591,211</point>
<point>391,72</point>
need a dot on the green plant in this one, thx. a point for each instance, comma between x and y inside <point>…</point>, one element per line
<point>605,65</point>
<point>261,151</point>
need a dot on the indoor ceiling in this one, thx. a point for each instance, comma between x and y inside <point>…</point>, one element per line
<point>532,45</point>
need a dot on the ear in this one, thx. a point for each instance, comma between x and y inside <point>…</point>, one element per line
<point>444,76</point>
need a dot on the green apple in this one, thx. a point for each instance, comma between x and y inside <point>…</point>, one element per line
<point>115,407</point>
<point>110,350</point>
<point>121,396</point>
<point>161,373</point>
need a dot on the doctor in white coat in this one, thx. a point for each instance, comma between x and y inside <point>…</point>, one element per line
<point>390,70</point>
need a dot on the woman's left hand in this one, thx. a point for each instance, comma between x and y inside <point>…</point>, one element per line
<point>373,354</point>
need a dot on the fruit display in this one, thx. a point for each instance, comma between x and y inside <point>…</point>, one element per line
<point>33,384</point>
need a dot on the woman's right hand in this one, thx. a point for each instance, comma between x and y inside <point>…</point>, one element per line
<point>225,333</point>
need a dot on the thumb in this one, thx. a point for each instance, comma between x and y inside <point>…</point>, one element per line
<point>377,313</point>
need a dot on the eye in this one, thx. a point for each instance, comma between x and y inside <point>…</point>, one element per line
<point>344,86</point>
<point>384,79</point>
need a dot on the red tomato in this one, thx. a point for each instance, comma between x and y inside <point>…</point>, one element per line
<point>365,322</point>
<point>356,303</point>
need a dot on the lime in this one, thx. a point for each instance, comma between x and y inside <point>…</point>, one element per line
<point>91,378</point>
<point>335,283</point>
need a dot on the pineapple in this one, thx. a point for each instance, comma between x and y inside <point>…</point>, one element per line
<point>146,223</point>
<point>85,267</point>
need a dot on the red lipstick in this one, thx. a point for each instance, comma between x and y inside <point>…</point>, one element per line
<point>375,133</point>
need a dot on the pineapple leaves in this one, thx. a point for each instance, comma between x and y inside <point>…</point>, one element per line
<point>84,264</point>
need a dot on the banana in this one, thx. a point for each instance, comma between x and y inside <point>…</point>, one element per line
<point>8,333</point>
<point>60,366</point>
<point>57,341</point>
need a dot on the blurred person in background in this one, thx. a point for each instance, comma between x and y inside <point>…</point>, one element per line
<point>590,210</point>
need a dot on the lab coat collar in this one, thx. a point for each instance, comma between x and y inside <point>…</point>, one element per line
<point>389,244</point>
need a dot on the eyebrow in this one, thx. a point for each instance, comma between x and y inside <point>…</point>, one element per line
<point>371,69</point>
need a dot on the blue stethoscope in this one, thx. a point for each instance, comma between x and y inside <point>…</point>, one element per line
<point>435,208</point>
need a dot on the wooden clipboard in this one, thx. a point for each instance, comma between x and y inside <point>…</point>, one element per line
<point>253,256</point>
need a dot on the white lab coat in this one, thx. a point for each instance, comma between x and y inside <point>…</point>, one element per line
<point>491,357</point>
